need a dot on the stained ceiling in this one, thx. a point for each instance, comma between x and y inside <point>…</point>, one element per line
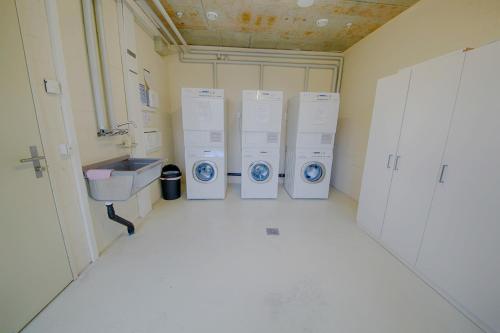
<point>281,24</point>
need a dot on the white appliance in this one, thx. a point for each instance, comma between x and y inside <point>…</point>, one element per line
<point>308,173</point>
<point>205,173</point>
<point>311,126</point>
<point>203,122</point>
<point>262,113</point>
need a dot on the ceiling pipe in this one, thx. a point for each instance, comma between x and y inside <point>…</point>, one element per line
<point>108,95</point>
<point>164,13</point>
<point>156,21</point>
<point>151,28</point>
<point>307,56</point>
<point>95,70</point>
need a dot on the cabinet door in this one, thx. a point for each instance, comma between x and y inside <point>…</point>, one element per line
<point>382,145</point>
<point>429,107</point>
<point>461,244</point>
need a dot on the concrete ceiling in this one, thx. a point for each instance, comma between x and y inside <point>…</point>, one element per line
<point>281,24</point>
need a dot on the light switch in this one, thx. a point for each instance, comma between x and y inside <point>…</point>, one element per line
<point>52,86</point>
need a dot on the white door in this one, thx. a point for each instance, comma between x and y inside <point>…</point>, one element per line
<point>387,117</point>
<point>33,260</point>
<point>429,107</point>
<point>461,244</point>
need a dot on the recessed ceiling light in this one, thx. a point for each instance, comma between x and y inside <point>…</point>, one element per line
<point>179,14</point>
<point>212,16</point>
<point>348,25</point>
<point>322,22</point>
<point>305,3</point>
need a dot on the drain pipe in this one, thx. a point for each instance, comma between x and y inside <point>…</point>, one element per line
<point>119,219</point>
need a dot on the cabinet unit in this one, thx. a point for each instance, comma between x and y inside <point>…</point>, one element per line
<point>382,148</point>
<point>438,208</point>
<point>461,244</point>
<point>428,111</point>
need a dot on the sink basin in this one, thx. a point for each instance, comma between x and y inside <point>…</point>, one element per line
<point>129,176</point>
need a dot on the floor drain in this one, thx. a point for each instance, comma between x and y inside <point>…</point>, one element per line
<point>272,231</point>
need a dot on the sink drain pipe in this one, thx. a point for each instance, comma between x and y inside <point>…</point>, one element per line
<point>119,219</point>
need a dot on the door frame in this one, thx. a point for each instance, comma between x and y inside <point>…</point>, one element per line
<point>71,141</point>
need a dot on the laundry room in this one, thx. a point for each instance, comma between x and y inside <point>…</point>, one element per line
<point>250,166</point>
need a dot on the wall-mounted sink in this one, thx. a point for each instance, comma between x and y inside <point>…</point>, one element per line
<point>129,176</point>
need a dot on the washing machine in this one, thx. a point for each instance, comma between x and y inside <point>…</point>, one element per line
<point>260,173</point>
<point>262,116</point>
<point>308,173</point>
<point>205,173</point>
<point>203,122</point>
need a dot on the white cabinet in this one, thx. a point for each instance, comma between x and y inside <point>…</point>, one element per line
<point>429,107</point>
<point>382,147</point>
<point>461,246</point>
<point>438,209</point>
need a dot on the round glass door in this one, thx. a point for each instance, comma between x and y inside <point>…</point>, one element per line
<point>205,171</point>
<point>313,172</point>
<point>260,172</point>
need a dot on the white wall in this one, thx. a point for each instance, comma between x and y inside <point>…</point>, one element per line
<point>428,29</point>
<point>92,147</point>
<point>157,65</point>
<point>233,79</point>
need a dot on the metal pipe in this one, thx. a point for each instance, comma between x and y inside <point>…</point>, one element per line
<point>306,78</point>
<point>163,12</point>
<point>261,77</point>
<point>108,95</point>
<point>156,20</point>
<point>214,69</point>
<point>310,57</point>
<point>267,53</point>
<point>95,71</point>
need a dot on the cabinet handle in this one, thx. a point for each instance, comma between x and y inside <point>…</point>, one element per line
<point>441,176</point>
<point>396,163</point>
<point>389,159</point>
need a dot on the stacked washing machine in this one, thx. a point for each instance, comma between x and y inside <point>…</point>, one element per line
<point>262,113</point>
<point>203,122</point>
<point>311,126</point>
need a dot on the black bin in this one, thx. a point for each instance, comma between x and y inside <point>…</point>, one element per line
<point>170,182</point>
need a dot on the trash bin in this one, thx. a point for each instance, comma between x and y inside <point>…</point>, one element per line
<point>170,182</point>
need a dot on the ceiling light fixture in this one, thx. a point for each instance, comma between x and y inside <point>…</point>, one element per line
<point>179,14</point>
<point>305,3</point>
<point>348,25</point>
<point>212,16</point>
<point>322,22</point>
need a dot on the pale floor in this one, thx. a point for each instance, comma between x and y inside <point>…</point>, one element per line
<point>208,266</point>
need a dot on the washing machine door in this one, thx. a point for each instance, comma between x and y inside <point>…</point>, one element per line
<point>260,172</point>
<point>205,171</point>
<point>313,172</point>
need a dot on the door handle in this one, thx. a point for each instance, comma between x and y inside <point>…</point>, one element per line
<point>32,159</point>
<point>441,176</point>
<point>396,163</point>
<point>35,159</point>
<point>389,159</point>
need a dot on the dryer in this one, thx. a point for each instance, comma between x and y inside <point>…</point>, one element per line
<point>203,122</point>
<point>308,173</point>
<point>262,113</point>
<point>311,127</point>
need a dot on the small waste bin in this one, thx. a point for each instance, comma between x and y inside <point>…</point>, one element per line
<point>170,182</point>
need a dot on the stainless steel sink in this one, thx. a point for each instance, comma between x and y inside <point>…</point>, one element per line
<point>129,176</point>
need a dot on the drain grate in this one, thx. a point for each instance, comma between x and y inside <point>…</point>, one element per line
<point>272,231</point>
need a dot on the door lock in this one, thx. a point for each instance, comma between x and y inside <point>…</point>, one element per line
<point>35,159</point>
